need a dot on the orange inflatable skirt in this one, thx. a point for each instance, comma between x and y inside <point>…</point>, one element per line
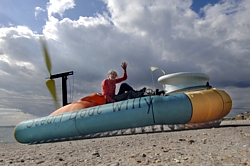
<point>86,102</point>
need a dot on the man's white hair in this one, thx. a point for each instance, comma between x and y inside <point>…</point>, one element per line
<point>111,72</point>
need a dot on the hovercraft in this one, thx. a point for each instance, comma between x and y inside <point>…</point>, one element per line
<point>188,100</point>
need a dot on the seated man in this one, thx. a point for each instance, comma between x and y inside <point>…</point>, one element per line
<point>109,87</point>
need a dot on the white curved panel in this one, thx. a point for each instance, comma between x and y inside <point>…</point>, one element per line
<point>177,81</point>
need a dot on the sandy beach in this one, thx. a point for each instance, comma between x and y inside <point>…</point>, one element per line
<point>228,144</point>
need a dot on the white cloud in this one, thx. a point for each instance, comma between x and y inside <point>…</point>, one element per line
<point>10,117</point>
<point>59,6</point>
<point>38,10</point>
<point>19,53</point>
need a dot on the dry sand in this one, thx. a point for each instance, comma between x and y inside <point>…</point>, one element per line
<point>228,144</point>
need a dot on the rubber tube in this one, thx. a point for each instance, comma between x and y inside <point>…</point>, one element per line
<point>145,111</point>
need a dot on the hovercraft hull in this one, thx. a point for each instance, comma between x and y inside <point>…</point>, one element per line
<point>180,108</point>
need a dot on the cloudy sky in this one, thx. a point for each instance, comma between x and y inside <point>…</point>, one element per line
<point>92,37</point>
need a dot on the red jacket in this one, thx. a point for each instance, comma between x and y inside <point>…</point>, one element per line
<point>108,87</point>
